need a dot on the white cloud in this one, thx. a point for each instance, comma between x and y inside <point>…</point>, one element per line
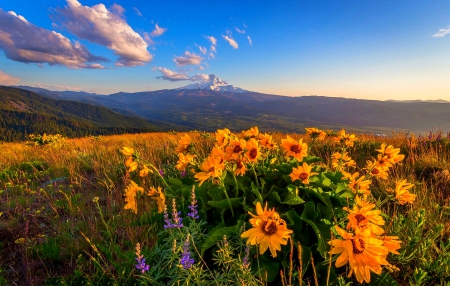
<point>7,79</point>
<point>199,77</point>
<point>212,40</point>
<point>249,40</point>
<point>175,76</point>
<point>24,42</point>
<point>158,31</point>
<point>202,49</point>
<point>231,41</point>
<point>212,55</point>
<point>239,31</point>
<point>136,10</point>
<point>170,75</point>
<point>188,59</point>
<point>442,32</point>
<point>99,25</point>
<point>118,9</point>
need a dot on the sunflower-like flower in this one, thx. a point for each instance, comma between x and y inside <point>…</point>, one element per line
<point>240,167</point>
<point>269,230</point>
<point>235,149</point>
<point>315,133</point>
<point>183,144</point>
<point>363,252</point>
<point>390,154</point>
<point>402,194</point>
<point>294,148</point>
<point>251,133</point>
<point>377,170</point>
<point>253,153</point>
<point>145,171</point>
<point>159,197</point>
<point>127,151</point>
<point>346,139</point>
<point>130,196</point>
<point>359,186</point>
<point>361,218</point>
<point>184,161</point>
<point>131,164</point>
<point>211,167</point>
<point>338,159</point>
<point>266,141</point>
<point>302,173</point>
<point>391,243</point>
<point>222,136</point>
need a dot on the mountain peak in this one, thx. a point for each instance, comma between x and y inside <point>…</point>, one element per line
<point>215,83</point>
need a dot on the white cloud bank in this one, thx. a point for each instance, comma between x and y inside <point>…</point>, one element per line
<point>231,41</point>
<point>99,25</point>
<point>7,79</point>
<point>25,42</point>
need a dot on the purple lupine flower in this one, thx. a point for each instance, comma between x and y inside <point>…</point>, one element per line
<point>141,265</point>
<point>245,261</point>
<point>193,207</point>
<point>161,172</point>
<point>186,259</point>
<point>183,173</point>
<point>176,216</point>
<point>167,220</point>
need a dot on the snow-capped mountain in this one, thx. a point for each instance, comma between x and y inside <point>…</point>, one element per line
<point>214,83</point>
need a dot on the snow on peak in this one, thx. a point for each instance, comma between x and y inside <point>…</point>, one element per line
<point>213,83</point>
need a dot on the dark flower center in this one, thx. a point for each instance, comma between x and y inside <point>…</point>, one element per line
<point>375,171</point>
<point>362,245</point>
<point>253,153</point>
<point>303,176</point>
<point>270,229</point>
<point>296,148</point>
<point>211,169</point>
<point>237,149</point>
<point>360,218</point>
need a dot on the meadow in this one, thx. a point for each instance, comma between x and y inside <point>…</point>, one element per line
<point>195,208</point>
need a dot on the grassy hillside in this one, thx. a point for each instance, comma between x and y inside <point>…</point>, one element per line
<point>24,112</point>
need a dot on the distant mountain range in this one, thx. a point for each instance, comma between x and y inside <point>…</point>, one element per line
<point>213,103</point>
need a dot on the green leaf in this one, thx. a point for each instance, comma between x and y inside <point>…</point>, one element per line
<point>274,197</point>
<point>174,182</point>
<point>311,159</point>
<point>268,267</point>
<point>309,213</point>
<point>216,235</point>
<point>295,222</point>
<point>216,193</point>
<point>325,212</point>
<point>225,204</point>
<point>322,245</point>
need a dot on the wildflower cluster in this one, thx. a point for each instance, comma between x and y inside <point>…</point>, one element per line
<point>275,192</point>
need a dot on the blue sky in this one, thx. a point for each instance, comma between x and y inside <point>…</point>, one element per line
<point>358,49</point>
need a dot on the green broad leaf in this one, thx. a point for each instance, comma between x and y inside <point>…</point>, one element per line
<point>322,270</point>
<point>312,159</point>
<point>295,223</point>
<point>269,268</point>
<point>319,194</point>
<point>216,235</point>
<point>225,204</point>
<point>321,241</point>
<point>309,213</point>
<point>384,279</point>
<point>273,197</point>
<point>175,182</point>
<point>340,187</point>
<point>292,199</point>
<point>216,193</point>
<point>202,196</point>
<point>335,177</point>
<point>324,211</point>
